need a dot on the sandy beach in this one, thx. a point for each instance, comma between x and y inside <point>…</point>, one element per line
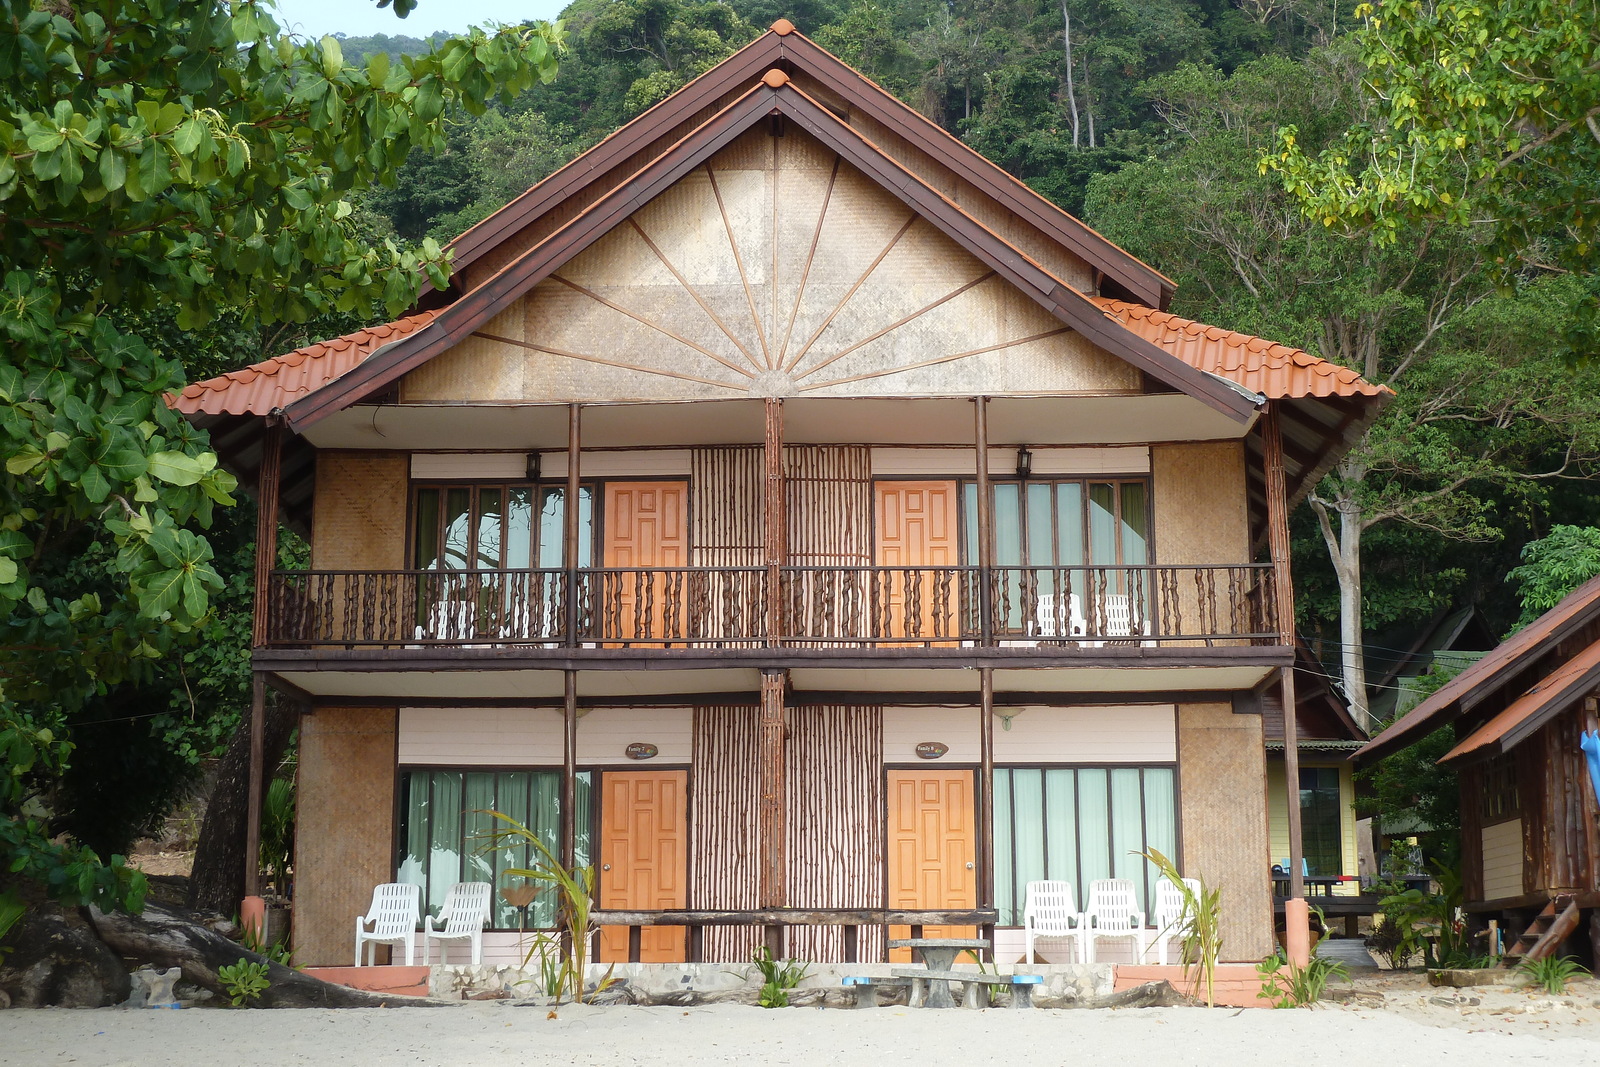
<point>1416,1025</point>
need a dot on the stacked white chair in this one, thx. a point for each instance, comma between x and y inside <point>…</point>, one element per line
<point>1112,913</point>
<point>462,917</point>
<point>1050,912</point>
<point>395,910</point>
<point>1171,922</point>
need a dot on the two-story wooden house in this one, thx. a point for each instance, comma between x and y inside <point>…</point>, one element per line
<point>794,516</point>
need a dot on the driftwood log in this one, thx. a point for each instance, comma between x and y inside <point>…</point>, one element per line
<point>164,939</point>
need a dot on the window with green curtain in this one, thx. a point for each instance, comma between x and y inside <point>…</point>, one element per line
<point>1067,523</point>
<point>1079,824</point>
<point>446,833</point>
<point>1321,829</point>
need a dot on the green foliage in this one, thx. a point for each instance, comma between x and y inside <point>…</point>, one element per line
<point>1552,973</point>
<point>1201,921</point>
<point>777,977</point>
<point>1554,566</point>
<point>244,981</point>
<point>574,890</point>
<point>11,911</point>
<point>277,952</point>
<point>163,160</point>
<point>277,833</point>
<point>1413,923</point>
<point>1288,985</point>
<point>1486,120</point>
<point>1411,787</point>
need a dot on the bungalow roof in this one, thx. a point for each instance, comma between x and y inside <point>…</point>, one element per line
<point>1506,669</point>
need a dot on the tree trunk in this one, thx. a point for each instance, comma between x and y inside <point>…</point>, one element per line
<point>160,938</point>
<point>217,881</point>
<point>1088,100</point>
<point>1072,99</point>
<point>1344,549</point>
<point>1348,566</point>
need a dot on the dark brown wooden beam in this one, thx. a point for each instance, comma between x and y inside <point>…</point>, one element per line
<point>569,537</point>
<point>770,813</point>
<point>266,529</point>
<point>1283,590</point>
<point>257,786</point>
<point>797,917</point>
<point>803,698</point>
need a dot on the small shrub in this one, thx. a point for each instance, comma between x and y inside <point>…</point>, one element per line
<point>1552,973</point>
<point>244,981</point>
<point>1300,987</point>
<point>778,977</point>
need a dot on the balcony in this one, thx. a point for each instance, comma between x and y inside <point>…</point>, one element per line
<point>862,607</point>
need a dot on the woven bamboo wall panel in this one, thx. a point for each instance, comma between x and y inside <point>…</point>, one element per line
<point>1201,514</point>
<point>360,517</point>
<point>724,796</point>
<point>345,843</point>
<point>833,775</point>
<point>1222,778</point>
<point>775,269</point>
<point>1063,264</point>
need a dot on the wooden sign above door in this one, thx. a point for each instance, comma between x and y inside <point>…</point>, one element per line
<point>641,750</point>
<point>931,749</point>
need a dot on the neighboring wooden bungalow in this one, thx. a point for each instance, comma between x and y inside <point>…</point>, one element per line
<point>793,515</point>
<point>1530,820</point>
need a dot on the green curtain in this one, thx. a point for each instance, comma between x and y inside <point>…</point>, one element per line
<point>1079,825</point>
<point>447,837</point>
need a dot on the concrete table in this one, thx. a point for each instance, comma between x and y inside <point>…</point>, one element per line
<point>939,954</point>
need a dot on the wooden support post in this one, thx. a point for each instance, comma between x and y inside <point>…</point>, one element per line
<point>985,524</point>
<point>569,541</point>
<point>773,539</point>
<point>267,490</point>
<point>985,835</point>
<point>258,785</point>
<point>1283,596</point>
<point>569,773</point>
<point>770,815</point>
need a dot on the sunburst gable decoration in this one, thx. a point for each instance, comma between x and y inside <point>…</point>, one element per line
<point>773,269</point>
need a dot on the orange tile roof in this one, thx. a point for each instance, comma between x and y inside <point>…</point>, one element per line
<point>262,388</point>
<point>1260,365</point>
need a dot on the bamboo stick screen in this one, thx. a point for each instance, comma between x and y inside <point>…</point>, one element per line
<point>723,799</point>
<point>828,505</point>
<point>834,823</point>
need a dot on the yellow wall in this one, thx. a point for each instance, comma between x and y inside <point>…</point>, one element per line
<point>1278,815</point>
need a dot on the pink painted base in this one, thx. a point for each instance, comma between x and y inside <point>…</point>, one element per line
<point>398,981</point>
<point>1235,986</point>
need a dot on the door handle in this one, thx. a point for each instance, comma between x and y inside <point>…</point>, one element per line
<point>607,866</point>
<point>969,865</point>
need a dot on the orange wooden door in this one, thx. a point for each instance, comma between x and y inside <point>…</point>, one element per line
<point>933,848</point>
<point>643,858</point>
<point>917,528</point>
<point>647,528</point>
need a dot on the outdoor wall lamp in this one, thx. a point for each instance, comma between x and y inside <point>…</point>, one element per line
<point>533,466</point>
<point>1024,462</point>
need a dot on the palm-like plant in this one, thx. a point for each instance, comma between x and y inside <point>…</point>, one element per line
<point>1200,924</point>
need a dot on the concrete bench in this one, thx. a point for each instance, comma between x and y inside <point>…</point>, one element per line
<point>1021,986</point>
<point>867,987</point>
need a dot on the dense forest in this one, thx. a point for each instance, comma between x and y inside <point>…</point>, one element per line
<point>1154,121</point>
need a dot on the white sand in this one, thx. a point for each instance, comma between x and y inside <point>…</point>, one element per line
<point>1513,1027</point>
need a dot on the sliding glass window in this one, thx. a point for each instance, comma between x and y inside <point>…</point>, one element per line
<point>1079,824</point>
<point>493,527</point>
<point>447,835</point>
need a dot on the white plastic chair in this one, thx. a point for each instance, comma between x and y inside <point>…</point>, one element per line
<point>1050,912</point>
<point>1112,912</point>
<point>394,913</point>
<point>1119,617</point>
<point>1060,616</point>
<point>463,915</point>
<point>1171,922</point>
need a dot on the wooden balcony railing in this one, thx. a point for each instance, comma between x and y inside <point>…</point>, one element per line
<point>725,607</point>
